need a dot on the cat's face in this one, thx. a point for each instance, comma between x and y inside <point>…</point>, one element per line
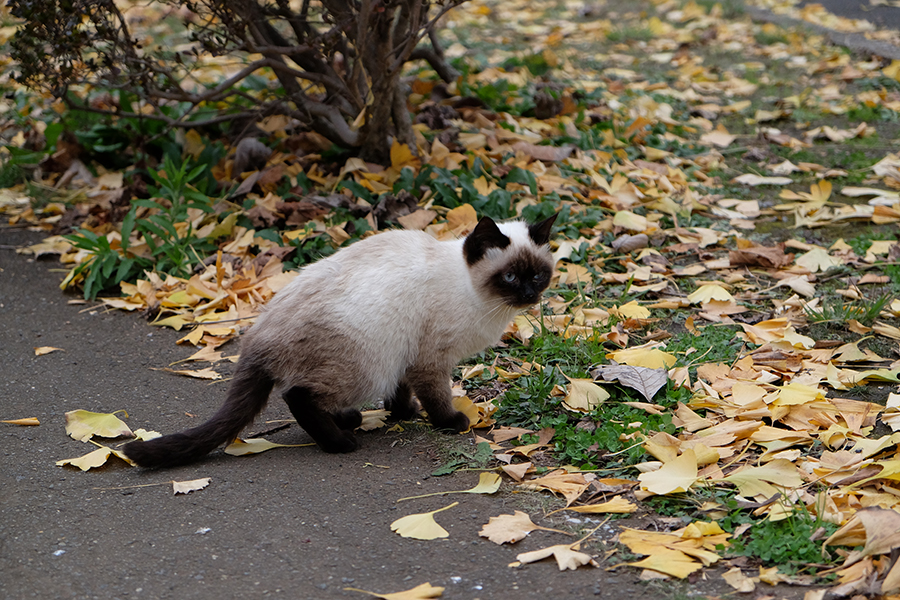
<point>516,269</point>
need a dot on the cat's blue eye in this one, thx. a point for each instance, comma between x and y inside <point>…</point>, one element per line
<point>538,277</point>
<point>509,277</point>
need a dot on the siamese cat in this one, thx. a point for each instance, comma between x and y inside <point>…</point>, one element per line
<point>388,316</point>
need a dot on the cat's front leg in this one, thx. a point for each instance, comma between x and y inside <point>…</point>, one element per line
<point>432,387</point>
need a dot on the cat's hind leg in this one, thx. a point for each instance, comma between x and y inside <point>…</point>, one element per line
<point>401,404</point>
<point>328,432</point>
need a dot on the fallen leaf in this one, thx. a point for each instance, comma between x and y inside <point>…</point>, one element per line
<point>736,579</point>
<point>241,447</point>
<point>144,435</point>
<point>644,380</point>
<point>82,425</point>
<point>25,421</point>
<point>671,562</point>
<point>752,179</point>
<point>420,592</point>
<point>186,487</point>
<point>42,350</point>
<point>673,477</point>
<point>374,419</point>
<point>583,395</point>
<point>509,529</point>
<point>617,505</point>
<point>488,483</point>
<point>90,460</point>
<point>421,526</point>
<point>566,555</point>
<point>207,373</point>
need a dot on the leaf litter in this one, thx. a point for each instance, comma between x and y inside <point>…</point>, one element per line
<point>770,421</point>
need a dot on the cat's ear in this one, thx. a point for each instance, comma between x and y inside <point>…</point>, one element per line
<point>540,232</point>
<point>485,235</point>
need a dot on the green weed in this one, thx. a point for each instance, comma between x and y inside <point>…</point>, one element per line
<point>864,311</point>
<point>786,544</point>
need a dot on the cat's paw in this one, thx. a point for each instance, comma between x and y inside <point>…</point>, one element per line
<point>346,442</point>
<point>349,419</point>
<point>456,421</point>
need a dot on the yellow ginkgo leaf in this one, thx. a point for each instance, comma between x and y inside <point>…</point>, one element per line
<point>617,505</point>
<point>374,419</point>
<point>630,221</point>
<point>817,259</point>
<point>420,592</point>
<point>468,408</point>
<point>631,310</point>
<point>82,425</point>
<point>90,460</point>
<point>488,483</point>
<point>675,476</point>
<point>671,562</point>
<point>186,487</point>
<point>144,435</point>
<point>509,529</point>
<point>583,395</point>
<point>709,292</point>
<point>25,421</point>
<point>643,356</point>
<point>566,555</point>
<point>42,350</point>
<point>463,217</point>
<point>421,526</point>
<point>241,447</point>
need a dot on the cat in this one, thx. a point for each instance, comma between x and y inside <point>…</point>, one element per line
<point>388,316</point>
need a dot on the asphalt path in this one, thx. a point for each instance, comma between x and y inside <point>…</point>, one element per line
<point>884,17</point>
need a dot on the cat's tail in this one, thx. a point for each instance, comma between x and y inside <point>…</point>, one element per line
<point>246,398</point>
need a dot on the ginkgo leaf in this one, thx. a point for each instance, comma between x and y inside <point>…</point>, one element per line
<point>675,476</point>
<point>207,373</point>
<point>566,555</point>
<point>25,421</point>
<point>708,293</point>
<point>420,592</point>
<point>671,562</point>
<point>583,395</point>
<point>82,425</point>
<point>752,179</point>
<point>374,419</point>
<point>42,350</point>
<point>644,380</point>
<point>488,483</point>
<point>464,405</point>
<point>144,435</point>
<point>90,460</point>
<point>509,529</point>
<point>186,487</point>
<point>818,259</point>
<point>421,526</point>
<point>736,579</point>
<point>643,356</point>
<point>617,505</point>
<point>241,447</point>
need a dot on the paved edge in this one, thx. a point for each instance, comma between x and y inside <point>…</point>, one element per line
<point>852,41</point>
